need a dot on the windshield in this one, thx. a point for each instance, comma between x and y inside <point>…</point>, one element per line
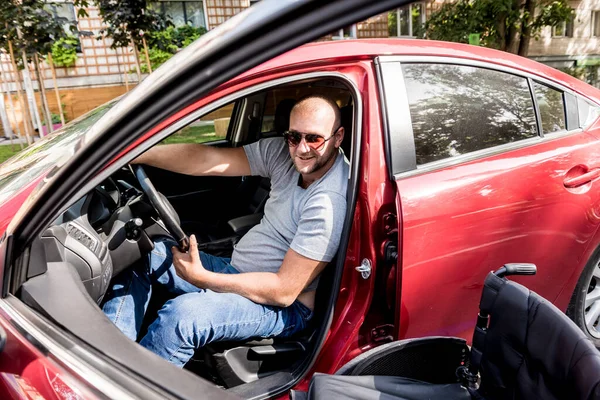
<point>34,161</point>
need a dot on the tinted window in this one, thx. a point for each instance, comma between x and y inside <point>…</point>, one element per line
<point>552,108</point>
<point>458,109</point>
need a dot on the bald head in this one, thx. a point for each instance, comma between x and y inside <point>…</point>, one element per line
<point>318,105</point>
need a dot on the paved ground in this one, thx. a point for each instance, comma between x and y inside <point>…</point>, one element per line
<point>4,141</point>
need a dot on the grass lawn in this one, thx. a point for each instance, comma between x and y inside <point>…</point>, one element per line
<point>7,151</point>
<point>193,134</point>
<point>189,134</point>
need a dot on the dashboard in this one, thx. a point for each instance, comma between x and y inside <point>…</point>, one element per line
<point>102,234</point>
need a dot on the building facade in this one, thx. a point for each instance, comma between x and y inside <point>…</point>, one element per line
<point>101,72</point>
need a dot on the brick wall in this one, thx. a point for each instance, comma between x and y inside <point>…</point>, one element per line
<point>76,102</point>
<point>219,11</point>
<point>374,27</point>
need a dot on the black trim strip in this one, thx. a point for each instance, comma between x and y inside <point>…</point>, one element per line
<point>536,108</point>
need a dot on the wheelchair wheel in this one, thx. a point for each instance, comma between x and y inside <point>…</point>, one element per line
<point>584,308</point>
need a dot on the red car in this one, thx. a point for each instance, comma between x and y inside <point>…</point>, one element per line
<point>462,159</point>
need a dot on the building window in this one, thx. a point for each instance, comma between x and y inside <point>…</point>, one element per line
<point>349,32</point>
<point>182,12</point>
<point>407,21</point>
<point>596,23</point>
<point>65,13</point>
<point>564,29</point>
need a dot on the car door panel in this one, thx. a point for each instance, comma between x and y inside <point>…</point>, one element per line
<point>463,221</point>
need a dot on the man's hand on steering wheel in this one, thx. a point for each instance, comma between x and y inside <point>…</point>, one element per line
<point>163,207</point>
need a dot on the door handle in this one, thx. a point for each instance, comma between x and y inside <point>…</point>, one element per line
<point>582,179</point>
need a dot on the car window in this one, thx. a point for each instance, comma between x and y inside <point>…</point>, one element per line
<point>588,112</point>
<point>36,160</point>
<point>279,102</point>
<point>208,128</point>
<point>460,109</point>
<point>551,106</point>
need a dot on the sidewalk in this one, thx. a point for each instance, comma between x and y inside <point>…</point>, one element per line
<point>5,141</point>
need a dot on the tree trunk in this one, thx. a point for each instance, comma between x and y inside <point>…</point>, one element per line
<point>514,31</point>
<point>29,89</point>
<point>26,117</point>
<point>526,34</point>
<point>58,101</point>
<point>147,56</point>
<point>138,69</point>
<point>126,71</point>
<point>11,104</point>
<point>501,27</point>
<point>4,118</point>
<point>45,108</point>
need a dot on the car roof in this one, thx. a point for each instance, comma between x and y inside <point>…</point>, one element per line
<point>346,50</point>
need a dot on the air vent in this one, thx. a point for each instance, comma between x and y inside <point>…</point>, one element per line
<point>81,236</point>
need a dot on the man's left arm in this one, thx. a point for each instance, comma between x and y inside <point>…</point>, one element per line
<point>278,289</point>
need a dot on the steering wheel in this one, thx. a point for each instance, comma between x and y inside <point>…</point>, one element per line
<point>163,207</point>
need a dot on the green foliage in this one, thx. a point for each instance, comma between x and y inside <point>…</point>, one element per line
<point>392,23</point>
<point>501,23</point>
<point>163,44</point>
<point>127,20</point>
<point>553,14</point>
<point>586,73</point>
<point>157,58</point>
<point>173,38</point>
<point>64,52</point>
<point>453,22</point>
<point>55,119</point>
<point>38,27</point>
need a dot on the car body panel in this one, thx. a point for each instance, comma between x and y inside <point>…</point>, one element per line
<point>427,282</point>
<point>461,222</point>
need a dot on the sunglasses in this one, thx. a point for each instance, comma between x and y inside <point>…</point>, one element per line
<point>314,141</point>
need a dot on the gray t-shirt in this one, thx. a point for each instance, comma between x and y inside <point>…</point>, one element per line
<point>308,220</point>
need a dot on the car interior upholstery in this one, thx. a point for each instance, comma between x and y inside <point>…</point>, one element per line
<point>112,228</point>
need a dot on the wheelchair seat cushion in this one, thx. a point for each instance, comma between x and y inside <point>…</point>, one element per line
<point>381,388</point>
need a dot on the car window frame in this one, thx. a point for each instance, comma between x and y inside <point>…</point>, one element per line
<point>236,96</point>
<point>399,133</point>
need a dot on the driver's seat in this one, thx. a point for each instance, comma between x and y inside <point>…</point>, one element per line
<point>235,363</point>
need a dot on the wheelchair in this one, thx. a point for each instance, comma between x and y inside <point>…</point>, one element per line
<point>523,348</point>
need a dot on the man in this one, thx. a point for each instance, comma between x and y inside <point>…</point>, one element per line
<point>268,286</point>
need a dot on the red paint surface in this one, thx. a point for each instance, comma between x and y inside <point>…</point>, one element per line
<point>462,222</point>
<point>455,224</point>
<point>25,373</point>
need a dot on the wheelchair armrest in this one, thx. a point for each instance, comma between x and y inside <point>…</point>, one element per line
<point>431,359</point>
<point>241,225</point>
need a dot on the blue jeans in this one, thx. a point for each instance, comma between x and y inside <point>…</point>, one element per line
<point>195,317</point>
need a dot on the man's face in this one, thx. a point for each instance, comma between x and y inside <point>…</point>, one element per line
<point>308,160</point>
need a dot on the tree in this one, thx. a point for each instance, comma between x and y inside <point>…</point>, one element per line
<point>506,25</point>
<point>37,30</point>
<point>127,21</point>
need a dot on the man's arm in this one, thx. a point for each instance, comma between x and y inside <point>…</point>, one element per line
<point>197,159</point>
<point>278,289</point>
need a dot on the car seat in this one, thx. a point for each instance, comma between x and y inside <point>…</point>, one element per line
<point>523,348</point>
<point>233,363</point>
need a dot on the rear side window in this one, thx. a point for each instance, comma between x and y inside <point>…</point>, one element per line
<point>588,112</point>
<point>552,108</point>
<point>457,109</point>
